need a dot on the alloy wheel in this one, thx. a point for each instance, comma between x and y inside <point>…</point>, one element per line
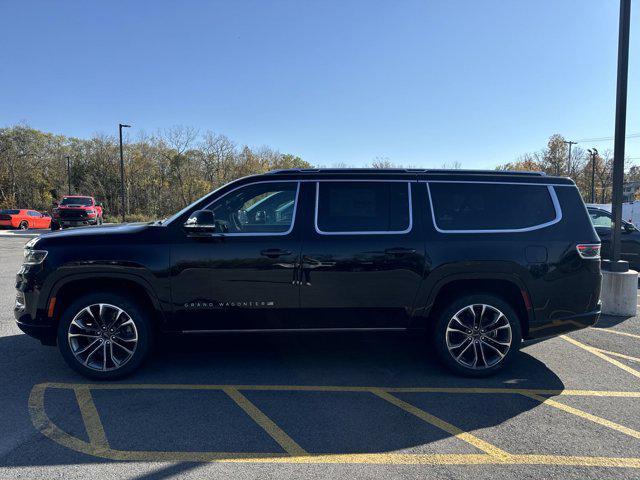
<point>102,337</point>
<point>478,336</point>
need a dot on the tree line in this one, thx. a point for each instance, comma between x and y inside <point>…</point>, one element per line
<point>592,172</point>
<point>164,172</point>
<point>168,170</point>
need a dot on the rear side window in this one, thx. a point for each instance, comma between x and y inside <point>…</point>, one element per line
<point>363,207</point>
<point>459,207</point>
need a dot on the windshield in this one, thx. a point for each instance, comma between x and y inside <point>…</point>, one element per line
<point>84,201</point>
<point>10,212</point>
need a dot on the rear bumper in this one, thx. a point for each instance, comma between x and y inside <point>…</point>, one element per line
<point>559,326</point>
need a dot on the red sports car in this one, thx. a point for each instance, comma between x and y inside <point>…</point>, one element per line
<point>24,219</point>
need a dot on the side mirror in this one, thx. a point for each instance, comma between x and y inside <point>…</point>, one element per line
<point>201,221</point>
<point>98,204</point>
<point>628,227</point>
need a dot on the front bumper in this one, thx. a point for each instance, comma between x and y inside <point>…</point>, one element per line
<point>45,333</point>
<point>77,222</point>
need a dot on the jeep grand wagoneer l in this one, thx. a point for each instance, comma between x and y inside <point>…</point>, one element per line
<point>480,260</point>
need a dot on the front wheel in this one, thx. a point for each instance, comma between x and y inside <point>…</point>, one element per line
<point>104,336</point>
<point>477,335</point>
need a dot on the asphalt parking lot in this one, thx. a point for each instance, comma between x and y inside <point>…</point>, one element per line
<point>320,406</point>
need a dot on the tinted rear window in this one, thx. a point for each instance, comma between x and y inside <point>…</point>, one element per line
<point>363,207</point>
<point>10,212</point>
<point>486,206</point>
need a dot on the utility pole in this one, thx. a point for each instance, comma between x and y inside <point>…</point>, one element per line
<point>594,154</point>
<point>616,265</point>
<point>69,173</point>
<point>570,143</point>
<point>120,127</point>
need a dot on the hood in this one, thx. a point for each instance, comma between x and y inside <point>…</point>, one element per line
<point>92,234</point>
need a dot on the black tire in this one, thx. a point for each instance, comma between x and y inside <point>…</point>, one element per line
<point>99,220</point>
<point>144,333</point>
<point>24,225</point>
<point>477,340</point>
<point>55,226</point>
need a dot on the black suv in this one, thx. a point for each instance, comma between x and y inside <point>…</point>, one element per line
<point>480,260</point>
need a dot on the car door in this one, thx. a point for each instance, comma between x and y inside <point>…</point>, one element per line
<point>629,239</point>
<point>34,219</point>
<point>241,276</point>
<point>362,258</point>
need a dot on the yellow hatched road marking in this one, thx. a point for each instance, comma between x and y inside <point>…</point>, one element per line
<point>284,440</point>
<point>330,388</point>
<point>620,355</point>
<point>443,425</point>
<point>91,418</point>
<point>603,356</point>
<point>588,416</point>
<point>99,447</point>
<point>616,332</point>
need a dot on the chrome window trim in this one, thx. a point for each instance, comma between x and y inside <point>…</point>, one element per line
<point>552,194</point>
<point>368,232</point>
<point>261,234</point>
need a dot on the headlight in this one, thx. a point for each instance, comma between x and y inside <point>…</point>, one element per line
<point>34,257</point>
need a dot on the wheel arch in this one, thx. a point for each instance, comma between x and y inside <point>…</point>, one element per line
<point>508,287</point>
<point>66,290</point>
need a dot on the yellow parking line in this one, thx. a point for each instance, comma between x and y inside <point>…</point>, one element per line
<point>597,353</point>
<point>284,440</point>
<point>43,424</point>
<point>616,332</point>
<point>587,416</point>
<point>621,355</point>
<point>321,388</point>
<point>91,418</point>
<point>441,424</point>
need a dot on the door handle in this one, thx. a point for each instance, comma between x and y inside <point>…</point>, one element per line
<point>399,251</point>
<point>274,252</point>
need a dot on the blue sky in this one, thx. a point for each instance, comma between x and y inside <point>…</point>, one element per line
<point>420,82</point>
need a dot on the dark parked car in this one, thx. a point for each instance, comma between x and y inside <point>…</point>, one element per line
<point>480,260</point>
<point>629,240</point>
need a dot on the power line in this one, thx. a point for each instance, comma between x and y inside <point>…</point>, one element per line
<point>602,139</point>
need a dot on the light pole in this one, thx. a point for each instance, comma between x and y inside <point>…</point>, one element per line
<point>120,127</point>
<point>616,265</point>
<point>69,173</point>
<point>570,143</point>
<point>594,154</point>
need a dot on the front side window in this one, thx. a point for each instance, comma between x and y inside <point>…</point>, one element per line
<point>260,208</point>
<point>363,207</point>
<point>460,207</point>
<point>600,219</point>
<point>31,213</point>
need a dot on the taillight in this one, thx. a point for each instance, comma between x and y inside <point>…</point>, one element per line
<point>589,250</point>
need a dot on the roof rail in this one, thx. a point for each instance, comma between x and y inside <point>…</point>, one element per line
<point>403,170</point>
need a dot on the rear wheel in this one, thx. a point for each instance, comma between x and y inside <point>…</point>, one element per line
<point>24,225</point>
<point>104,336</point>
<point>477,335</point>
